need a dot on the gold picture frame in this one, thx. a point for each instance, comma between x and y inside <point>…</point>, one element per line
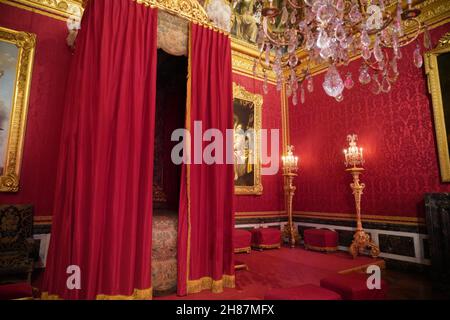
<point>441,105</point>
<point>18,73</point>
<point>251,183</point>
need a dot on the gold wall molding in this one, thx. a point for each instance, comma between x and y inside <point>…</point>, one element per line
<point>26,43</point>
<point>365,218</point>
<point>260,214</point>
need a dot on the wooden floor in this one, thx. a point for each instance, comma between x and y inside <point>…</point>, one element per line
<point>411,286</point>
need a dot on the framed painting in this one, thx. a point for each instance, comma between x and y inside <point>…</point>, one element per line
<point>16,63</point>
<point>247,141</point>
<point>437,68</point>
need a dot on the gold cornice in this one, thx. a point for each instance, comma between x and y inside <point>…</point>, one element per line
<point>187,9</point>
<point>57,9</point>
<point>243,59</point>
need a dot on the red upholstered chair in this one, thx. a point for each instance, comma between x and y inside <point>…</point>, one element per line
<point>353,286</point>
<point>266,238</point>
<point>242,240</point>
<point>20,290</point>
<point>304,292</point>
<point>321,239</point>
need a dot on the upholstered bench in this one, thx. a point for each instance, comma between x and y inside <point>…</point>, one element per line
<point>353,286</point>
<point>21,290</point>
<point>304,292</point>
<point>266,238</point>
<point>320,239</point>
<point>242,240</point>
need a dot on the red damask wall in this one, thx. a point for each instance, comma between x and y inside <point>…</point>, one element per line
<point>397,134</point>
<point>272,197</point>
<point>52,57</point>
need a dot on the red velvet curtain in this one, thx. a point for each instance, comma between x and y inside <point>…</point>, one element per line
<point>206,222</point>
<point>103,208</point>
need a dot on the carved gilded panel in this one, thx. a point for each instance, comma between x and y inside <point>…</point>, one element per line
<point>16,63</point>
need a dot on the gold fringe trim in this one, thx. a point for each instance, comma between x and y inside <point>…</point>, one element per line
<point>267,246</point>
<point>207,283</point>
<point>244,249</point>
<point>138,294</point>
<point>317,248</point>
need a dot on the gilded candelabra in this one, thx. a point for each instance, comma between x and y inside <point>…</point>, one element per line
<point>289,172</point>
<point>354,160</point>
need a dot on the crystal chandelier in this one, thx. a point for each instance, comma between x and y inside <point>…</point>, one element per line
<point>331,32</point>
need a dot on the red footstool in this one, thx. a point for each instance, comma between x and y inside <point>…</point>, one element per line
<point>22,290</point>
<point>353,286</point>
<point>304,292</point>
<point>266,238</point>
<point>242,240</point>
<point>321,239</point>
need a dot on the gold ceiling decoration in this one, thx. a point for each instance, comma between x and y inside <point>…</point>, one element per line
<point>188,9</point>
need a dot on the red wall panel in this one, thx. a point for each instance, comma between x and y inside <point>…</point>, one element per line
<point>272,197</point>
<point>397,134</point>
<point>52,57</point>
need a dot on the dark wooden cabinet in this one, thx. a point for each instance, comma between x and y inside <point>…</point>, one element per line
<point>437,207</point>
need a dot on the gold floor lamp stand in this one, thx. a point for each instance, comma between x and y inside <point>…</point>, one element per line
<point>361,240</point>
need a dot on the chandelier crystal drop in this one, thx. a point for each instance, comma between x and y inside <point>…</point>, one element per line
<point>299,34</point>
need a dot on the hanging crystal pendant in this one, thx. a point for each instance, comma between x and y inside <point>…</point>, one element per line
<point>365,40</point>
<point>333,84</point>
<point>267,54</point>
<point>364,76</point>
<point>293,60</point>
<point>279,84</point>
<point>385,85</point>
<point>309,83</point>
<point>340,5</point>
<point>339,32</point>
<point>349,81</point>
<point>310,40</point>
<point>284,15</point>
<point>293,16</point>
<point>294,98</point>
<point>376,87</point>
<point>325,13</point>
<point>394,66</point>
<point>417,57</point>
<point>339,98</point>
<point>355,15</point>
<point>265,87</point>
<point>322,40</point>
<point>377,52</point>
<point>302,94</point>
<point>366,53</point>
<point>288,90</point>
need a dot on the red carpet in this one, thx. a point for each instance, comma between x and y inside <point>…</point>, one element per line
<point>282,268</point>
